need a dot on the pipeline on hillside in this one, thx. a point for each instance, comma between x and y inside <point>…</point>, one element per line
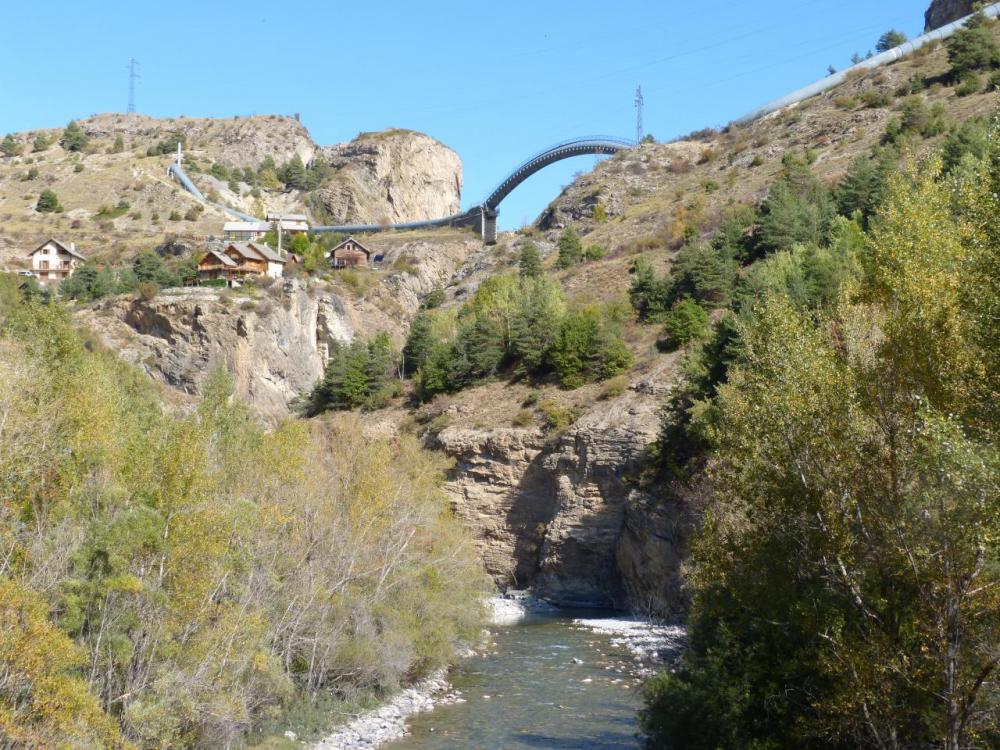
<point>884,58</point>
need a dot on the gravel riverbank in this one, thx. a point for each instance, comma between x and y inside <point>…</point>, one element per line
<point>374,728</point>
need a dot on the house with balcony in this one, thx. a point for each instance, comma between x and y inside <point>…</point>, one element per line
<point>238,261</point>
<point>53,261</point>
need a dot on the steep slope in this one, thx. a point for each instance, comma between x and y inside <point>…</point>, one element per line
<point>116,196</point>
<point>275,339</point>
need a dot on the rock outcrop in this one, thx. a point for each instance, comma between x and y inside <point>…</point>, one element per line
<point>274,341</point>
<point>944,12</point>
<point>558,516</point>
<point>390,177</point>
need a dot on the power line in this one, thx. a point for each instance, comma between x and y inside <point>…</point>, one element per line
<point>132,76</point>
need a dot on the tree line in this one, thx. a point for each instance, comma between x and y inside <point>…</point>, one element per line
<point>845,580</point>
<point>184,578</point>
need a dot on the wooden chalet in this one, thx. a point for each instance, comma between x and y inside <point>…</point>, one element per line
<point>239,260</point>
<point>349,254</point>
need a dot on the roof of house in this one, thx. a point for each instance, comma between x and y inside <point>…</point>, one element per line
<point>350,239</point>
<point>246,226</point>
<point>71,249</point>
<point>256,251</point>
<point>267,252</point>
<point>221,257</point>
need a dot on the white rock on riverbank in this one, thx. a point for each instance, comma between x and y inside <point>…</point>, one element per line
<point>514,606</point>
<point>374,728</point>
<point>647,641</point>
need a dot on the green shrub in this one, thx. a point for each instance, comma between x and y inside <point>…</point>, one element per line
<point>41,143</point>
<point>108,212</point>
<point>524,418</point>
<point>194,213</point>
<point>614,388</point>
<point>600,213</point>
<point>78,167</point>
<point>557,417</point>
<point>876,98</point>
<point>594,252</point>
<point>970,84</point>
<point>48,202</point>
<point>686,321</point>
<point>972,48</point>
<point>845,102</point>
<point>118,146</point>
<point>174,216</point>
<point>10,147</point>
<point>73,138</point>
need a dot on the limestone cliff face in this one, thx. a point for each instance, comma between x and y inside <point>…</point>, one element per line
<point>944,12</point>
<point>558,515</point>
<point>390,177</point>
<point>274,347</point>
<point>274,342</point>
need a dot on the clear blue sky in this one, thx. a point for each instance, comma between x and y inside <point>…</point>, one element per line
<point>496,82</point>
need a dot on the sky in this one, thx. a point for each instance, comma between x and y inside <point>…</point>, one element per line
<point>496,82</point>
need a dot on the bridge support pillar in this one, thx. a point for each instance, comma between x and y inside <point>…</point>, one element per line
<point>489,226</point>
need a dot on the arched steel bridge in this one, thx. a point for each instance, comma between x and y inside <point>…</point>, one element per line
<point>483,215</point>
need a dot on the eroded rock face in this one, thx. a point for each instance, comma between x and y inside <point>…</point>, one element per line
<point>273,342</point>
<point>274,346</point>
<point>944,12</point>
<point>390,177</point>
<point>557,515</point>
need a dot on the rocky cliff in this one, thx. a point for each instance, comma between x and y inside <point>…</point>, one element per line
<point>274,341</point>
<point>558,514</point>
<point>390,177</point>
<point>944,12</point>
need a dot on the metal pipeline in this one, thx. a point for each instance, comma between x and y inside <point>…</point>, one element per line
<point>885,58</point>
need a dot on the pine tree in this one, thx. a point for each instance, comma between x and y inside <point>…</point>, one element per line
<point>570,248</point>
<point>73,137</point>
<point>293,173</point>
<point>530,262</point>
<point>419,343</point>
<point>48,202</point>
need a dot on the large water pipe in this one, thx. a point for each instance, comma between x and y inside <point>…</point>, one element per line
<point>884,58</point>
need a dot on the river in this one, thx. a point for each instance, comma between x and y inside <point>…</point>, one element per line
<point>549,681</point>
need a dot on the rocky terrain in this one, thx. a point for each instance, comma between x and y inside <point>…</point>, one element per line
<point>944,12</point>
<point>391,176</point>
<point>558,511</point>
<point>274,339</point>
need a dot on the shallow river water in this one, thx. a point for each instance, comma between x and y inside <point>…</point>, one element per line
<point>543,683</point>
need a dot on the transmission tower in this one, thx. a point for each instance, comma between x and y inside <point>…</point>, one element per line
<point>638,115</point>
<point>132,76</point>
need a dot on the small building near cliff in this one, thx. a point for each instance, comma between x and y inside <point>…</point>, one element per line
<point>291,224</point>
<point>349,254</point>
<point>245,231</point>
<point>240,260</point>
<point>52,261</point>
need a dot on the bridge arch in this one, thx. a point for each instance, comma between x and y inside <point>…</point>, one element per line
<point>593,144</point>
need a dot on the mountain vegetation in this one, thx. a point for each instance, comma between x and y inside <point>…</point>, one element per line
<point>846,578</point>
<point>186,578</point>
